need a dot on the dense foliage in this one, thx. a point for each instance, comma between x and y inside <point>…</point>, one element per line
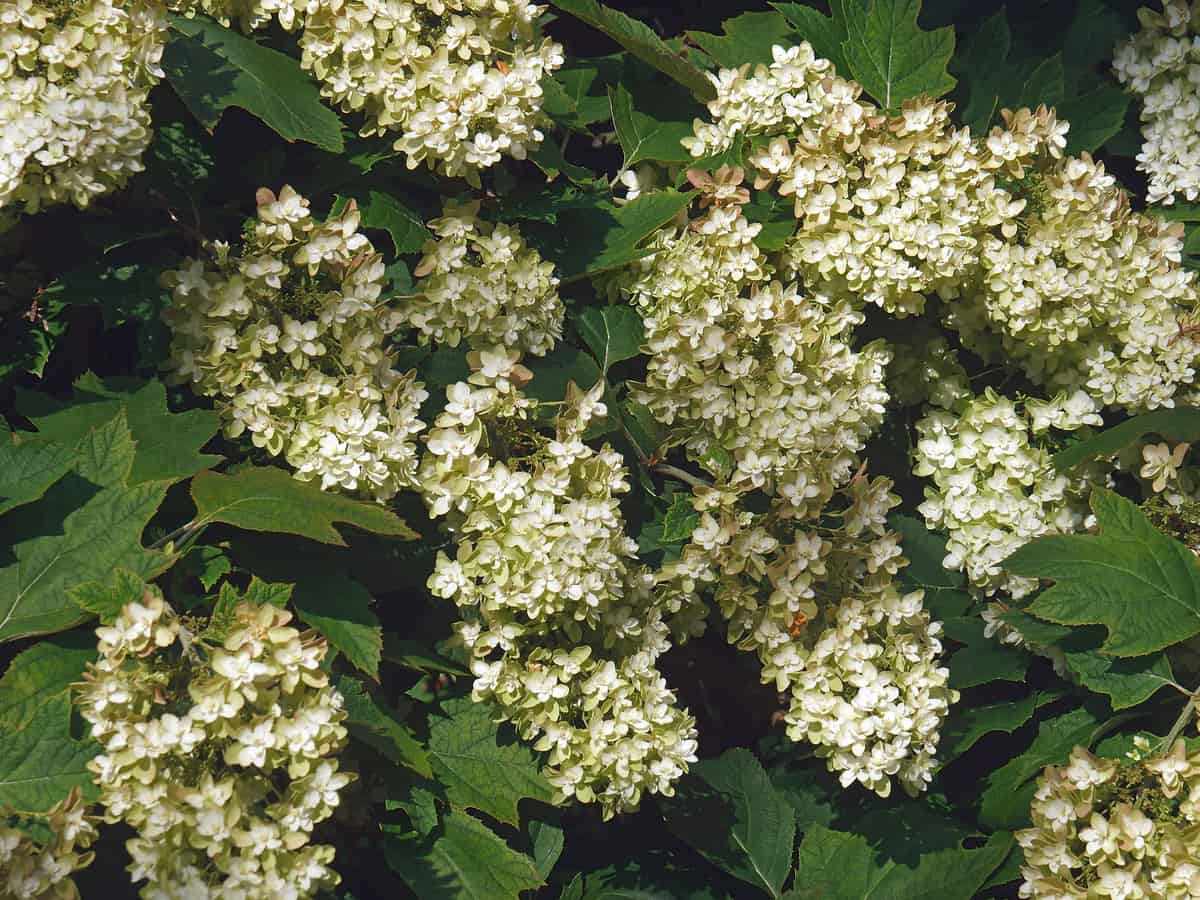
<point>472,449</point>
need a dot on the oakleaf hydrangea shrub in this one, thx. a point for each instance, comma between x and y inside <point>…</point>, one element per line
<point>737,453</point>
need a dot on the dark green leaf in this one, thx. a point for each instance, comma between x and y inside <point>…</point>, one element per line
<point>982,659</point>
<point>340,608</point>
<point>748,38</point>
<point>546,838</point>
<point>680,519</point>
<point>264,498</point>
<point>41,674</point>
<point>729,811</point>
<point>834,865</point>
<point>640,41</point>
<point>1005,802</point>
<point>1140,584</point>
<point>464,861</point>
<point>645,136</point>
<point>585,84</point>
<point>381,729</point>
<point>826,34</point>
<point>1180,424</point>
<point>891,56</point>
<point>612,333</point>
<point>967,724</point>
<point>213,68</point>
<point>478,769</point>
<point>385,212</point>
<point>1095,117</point>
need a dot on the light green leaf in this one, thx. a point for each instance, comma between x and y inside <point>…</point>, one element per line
<point>680,519</point>
<point>42,762</point>
<point>1005,802</point>
<point>479,769</point>
<point>206,563</point>
<point>105,598</point>
<point>613,333</point>
<point>728,810</point>
<point>41,674</point>
<point>1180,424</point>
<point>834,865</point>
<point>826,34</point>
<point>547,839</point>
<point>340,608</point>
<point>749,37</point>
<point>645,136</point>
<point>640,41</point>
<point>889,54</point>
<point>213,68</point>
<point>265,498</point>
<point>383,211</point>
<point>1140,584</point>
<point>106,452</point>
<point>82,534</point>
<point>167,444</point>
<point>380,728</point>
<point>465,861</point>
<point>29,467</point>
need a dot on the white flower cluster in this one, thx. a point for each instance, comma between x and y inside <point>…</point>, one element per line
<point>481,283</point>
<point>562,624</point>
<point>820,607</point>
<point>289,338</point>
<point>31,870</point>
<point>1038,257</point>
<point>220,758</point>
<point>1161,64</point>
<point>460,80</point>
<point>1087,296</point>
<point>890,208</point>
<point>748,368</point>
<point>73,83</point>
<point>249,14</point>
<point>1125,830</point>
<point>994,488</point>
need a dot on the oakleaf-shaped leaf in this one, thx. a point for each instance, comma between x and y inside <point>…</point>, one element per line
<point>645,136</point>
<point>827,34</point>
<point>834,865</point>
<point>612,333</point>
<point>213,68</point>
<point>42,762</point>
<point>465,860</point>
<point>167,444</point>
<point>890,55</point>
<point>385,212</point>
<point>729,811</point>
<point>643,43</point>
<point>377,727</point>
<point>264,498</point>
<point>340,608</point>
<point>82,533</point>
<point>41,674</point>
<point>748,38</point>
<point>1140,584</point>
<point>480,769</point>
<point>28,468</point>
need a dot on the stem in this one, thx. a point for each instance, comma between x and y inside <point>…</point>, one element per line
<point>685,477</point>
<point>167,538</point>
<point>1180,723</point>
